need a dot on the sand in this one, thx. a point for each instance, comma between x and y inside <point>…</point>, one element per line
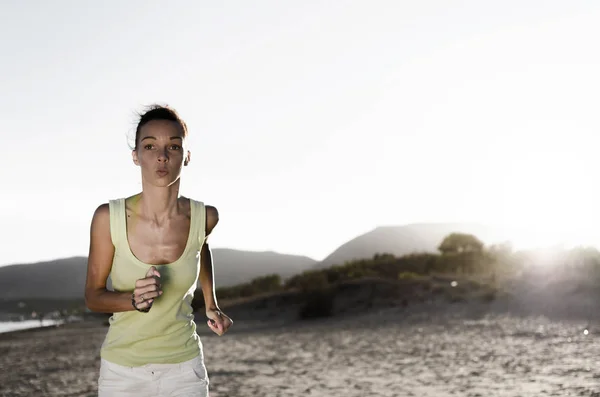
<point>453,351</point>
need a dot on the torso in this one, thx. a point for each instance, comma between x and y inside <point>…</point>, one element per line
<point>157,244</point>
<point>167,333</point>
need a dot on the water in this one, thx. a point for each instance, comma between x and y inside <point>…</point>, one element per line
<point>6,326</point>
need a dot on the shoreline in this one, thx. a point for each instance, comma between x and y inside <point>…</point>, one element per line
<point>428,312</point>
<point>9,329</point>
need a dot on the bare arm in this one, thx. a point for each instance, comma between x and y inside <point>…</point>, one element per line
<point>97,297</point>
<point>218,321</point>
<point>207,282</point>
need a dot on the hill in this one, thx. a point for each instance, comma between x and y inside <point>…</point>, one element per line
<point>235,267</point>
<point>65,278</point>
<point>404,240</point>
<point>564,284</point>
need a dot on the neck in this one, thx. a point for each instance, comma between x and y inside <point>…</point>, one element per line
<point>159,203</point>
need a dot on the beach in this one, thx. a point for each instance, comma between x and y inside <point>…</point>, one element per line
<point>456,350</point>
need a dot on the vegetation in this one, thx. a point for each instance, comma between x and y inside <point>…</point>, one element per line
<point>460,256</point>
<point>260,285</point>
<point>460,242</point>
<point>463,269</point>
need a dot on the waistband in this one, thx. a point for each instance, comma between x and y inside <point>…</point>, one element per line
<point>194,362</point>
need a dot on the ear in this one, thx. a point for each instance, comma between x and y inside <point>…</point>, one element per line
<point>134,156</point>
<point>188,158</point>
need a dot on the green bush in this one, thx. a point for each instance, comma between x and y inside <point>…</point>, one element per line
<point>259,285</point>
<point>309,280</point>
<point>409,276</point>
<point>464,256</point>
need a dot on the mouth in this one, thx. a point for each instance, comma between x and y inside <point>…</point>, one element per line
<point>162,173</point>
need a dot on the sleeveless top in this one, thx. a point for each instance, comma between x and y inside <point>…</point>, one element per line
<point>167,333</point>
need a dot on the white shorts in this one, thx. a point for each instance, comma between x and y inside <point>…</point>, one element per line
<point>187,379</point>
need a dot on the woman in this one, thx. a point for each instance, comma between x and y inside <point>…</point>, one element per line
<point>149,244</point>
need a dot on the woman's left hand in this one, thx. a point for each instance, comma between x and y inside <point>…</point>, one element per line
<point>218,321</point>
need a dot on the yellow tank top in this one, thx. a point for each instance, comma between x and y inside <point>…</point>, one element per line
<point>167,333</point>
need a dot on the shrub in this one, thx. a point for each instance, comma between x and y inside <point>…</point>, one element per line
<point>408,276</point>
<point>309,280</point>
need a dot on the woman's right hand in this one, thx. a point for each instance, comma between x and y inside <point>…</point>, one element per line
<point>147,288</point>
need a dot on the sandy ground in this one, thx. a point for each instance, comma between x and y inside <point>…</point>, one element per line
<point>387,353</point>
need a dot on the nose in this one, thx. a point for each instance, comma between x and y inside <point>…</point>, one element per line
<point>163,156</point>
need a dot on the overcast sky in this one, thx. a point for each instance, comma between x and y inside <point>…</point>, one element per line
<point>311,122</point>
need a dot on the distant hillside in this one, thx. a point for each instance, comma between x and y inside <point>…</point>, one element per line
<point>58,279</point>
<point>403,240</point>
<point>235,267</point>
<point>65,278</point>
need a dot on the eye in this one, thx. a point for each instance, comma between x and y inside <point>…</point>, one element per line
<point>175,147</point>
<point>148,146</point>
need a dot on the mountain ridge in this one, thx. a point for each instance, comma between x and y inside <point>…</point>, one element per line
<point>406,239</point>
<point>65,278</point>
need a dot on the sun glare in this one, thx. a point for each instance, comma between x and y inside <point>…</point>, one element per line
<point>549,198</point>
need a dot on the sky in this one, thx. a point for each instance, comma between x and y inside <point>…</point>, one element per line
<point>310,122</point>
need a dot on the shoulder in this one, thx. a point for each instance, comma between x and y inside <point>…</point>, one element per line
<point>212,218</point>
<point>102,212</point>
<point>101,218</point>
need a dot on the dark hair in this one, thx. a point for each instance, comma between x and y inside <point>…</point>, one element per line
<point>158,112</point>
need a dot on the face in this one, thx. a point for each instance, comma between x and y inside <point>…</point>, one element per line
<point>161,152</point>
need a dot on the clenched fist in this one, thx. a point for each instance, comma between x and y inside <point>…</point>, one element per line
<point>218,321</point>
<point>147,289</point>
